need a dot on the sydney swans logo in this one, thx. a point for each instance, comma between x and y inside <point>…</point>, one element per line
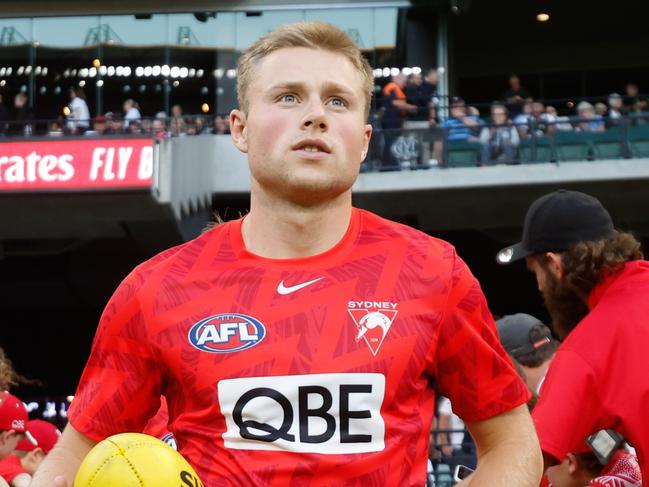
<point>373,320</point>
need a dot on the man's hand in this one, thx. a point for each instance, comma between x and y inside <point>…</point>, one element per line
<point>61,464</point>
<point>508,451</point>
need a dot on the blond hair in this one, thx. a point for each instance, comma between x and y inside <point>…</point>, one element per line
<point>312,35</point>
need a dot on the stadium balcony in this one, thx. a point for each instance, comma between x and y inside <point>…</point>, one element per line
<point>160,190</point>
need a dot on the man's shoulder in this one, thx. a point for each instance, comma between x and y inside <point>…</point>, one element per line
<point>391,230</point>
<point>188,251</point>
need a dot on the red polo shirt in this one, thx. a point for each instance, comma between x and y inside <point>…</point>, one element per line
<point>598,378</point>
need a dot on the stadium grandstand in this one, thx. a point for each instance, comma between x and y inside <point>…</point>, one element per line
<point>115,145</point>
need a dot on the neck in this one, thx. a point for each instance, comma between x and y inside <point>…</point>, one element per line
<point>279,229</point>
<point>534,375</point>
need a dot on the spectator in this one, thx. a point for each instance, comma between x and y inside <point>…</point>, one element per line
<point>561,122</point>
<point>23,116</point>
<point>535,120</point>
<point>530,343</point>
<point>453,441</point>
<point>79,117</point>
<point>601,109</point>
<point>429,87</point>
<point>516,95</point>
<point>459,124</point>
<point>500,140</point>
<point>55,128</point>
<point>13,422</point>
<point>416,96</point>
<point>159,130</point>
<point>17,469</point>
<point>201,126</point>
<point>595,285</point>
<point>146,126</point>
<point>178,127</point>
<point>98,126</point>
<point>113,124</point>
<point>131,112</point>
<point>584,469</point>
<point>588,120</point>
<point>221,125</point>
<point>633,102</point>
<point>395,106</point>
<point>176,111</point>
<point>159,126</point>
<point>614,110</point>
<point>522,119</point>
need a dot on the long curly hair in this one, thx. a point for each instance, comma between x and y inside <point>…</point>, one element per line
<point>587,263</point>
<point>9,377</point>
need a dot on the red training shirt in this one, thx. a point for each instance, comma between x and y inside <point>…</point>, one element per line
<point>10,468</point>
<point>301,372</point>
<point>598,378</point>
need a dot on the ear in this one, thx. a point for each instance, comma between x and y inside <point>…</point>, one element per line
<point>367,135</point>
<point>239,130</point>
<point>555,264</point>
<point>573,464</point>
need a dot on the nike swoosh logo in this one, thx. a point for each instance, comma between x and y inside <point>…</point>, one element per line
<point>283,290</point>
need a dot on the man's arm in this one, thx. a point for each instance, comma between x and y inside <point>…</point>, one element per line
<point>63,461</point>
<point>508,451</point>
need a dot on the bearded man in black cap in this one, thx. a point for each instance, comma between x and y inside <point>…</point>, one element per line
<point>595,285</point>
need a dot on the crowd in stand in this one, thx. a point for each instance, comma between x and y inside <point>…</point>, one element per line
<point>406,102</point>
<point>413,102</point>
<point>20,121</point>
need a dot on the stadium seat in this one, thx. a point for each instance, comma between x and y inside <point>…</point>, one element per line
<point>463,154</point>
<point>609,144</point>
<point>639,140</point>
<point>573,146</point>
<point>538,150</point>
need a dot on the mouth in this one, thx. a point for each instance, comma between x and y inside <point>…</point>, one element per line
<point>312,146</point>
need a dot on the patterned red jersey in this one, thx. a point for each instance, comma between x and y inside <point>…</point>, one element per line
<point>313,371</point>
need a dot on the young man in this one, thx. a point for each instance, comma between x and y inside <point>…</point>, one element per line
<point>596,288</point>
<point>530,343</point>
<point>296,346</point>
<point>17,469</point>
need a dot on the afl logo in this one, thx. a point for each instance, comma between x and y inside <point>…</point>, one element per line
<point>228,332</point>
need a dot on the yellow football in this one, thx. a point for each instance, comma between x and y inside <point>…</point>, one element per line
<point>135,460</point>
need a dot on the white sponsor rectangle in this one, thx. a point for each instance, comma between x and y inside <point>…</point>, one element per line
<point>316,413</point>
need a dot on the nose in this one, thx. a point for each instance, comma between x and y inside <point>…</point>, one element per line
<point>315,115</point>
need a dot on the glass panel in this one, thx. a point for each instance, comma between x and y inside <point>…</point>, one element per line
<point>250,27</point>
<point>68,31</point>
<point>127,30</point>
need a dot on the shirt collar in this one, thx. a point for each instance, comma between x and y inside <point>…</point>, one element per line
<point>600,289</point>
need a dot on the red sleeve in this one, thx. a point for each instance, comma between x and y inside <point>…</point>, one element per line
<point>472,369</point>
<point>10,467</point>
<point>569,396</point>
<point>158,425</point>
<point>120,386</point>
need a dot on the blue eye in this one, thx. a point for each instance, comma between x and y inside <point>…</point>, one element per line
<point>288,98</point>
<point>338,102</point>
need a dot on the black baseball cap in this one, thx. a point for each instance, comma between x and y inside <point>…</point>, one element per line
<point>514,332</point>
<point>557,221</point>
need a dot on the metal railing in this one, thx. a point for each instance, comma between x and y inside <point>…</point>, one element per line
<point>563,139</point>
<point>157,127</point>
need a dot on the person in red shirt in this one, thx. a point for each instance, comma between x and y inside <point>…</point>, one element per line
<point>13,422</point>
<point>18,468</point>
<point>584,469</point>
<point>595,285</point>
<point>297,345</point>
